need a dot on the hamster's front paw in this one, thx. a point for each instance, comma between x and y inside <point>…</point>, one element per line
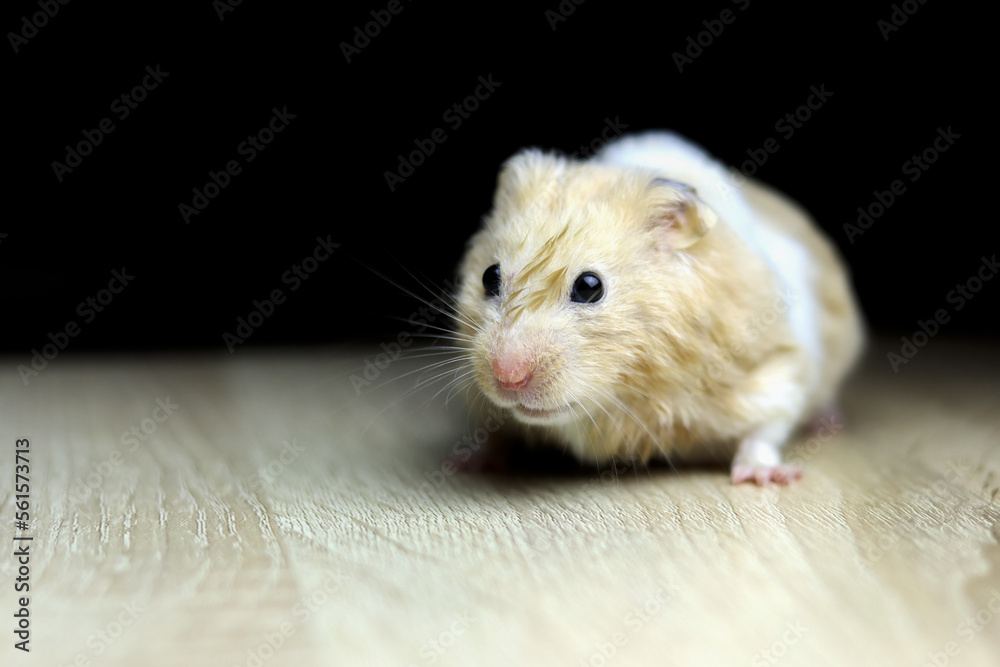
<point>782,473</point>
<point>759,460</point>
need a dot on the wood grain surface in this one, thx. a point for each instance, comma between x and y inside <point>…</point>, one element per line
<point>276,516</point>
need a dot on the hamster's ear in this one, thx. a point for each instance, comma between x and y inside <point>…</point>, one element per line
<point>524,173</point>
<point>679,216</point>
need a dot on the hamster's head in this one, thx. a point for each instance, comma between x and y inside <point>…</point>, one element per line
<point>580,286</point>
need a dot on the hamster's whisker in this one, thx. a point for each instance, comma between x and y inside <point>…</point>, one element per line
<point>423,369</point>
<point>451,332</point>
<point>444,333</point>
<point>461,339</point>
<point>481,396</point>
<point>611,418</point>
<point>469,318</point>
<point>436,289</point>
<point>422,380</point>
<point>455,381</point>
<point>619,424</point>
<point>457,388</point>
<point>476,405</point>
<point>414,353</point>
<point>447,334</point>
<point>460,363</point>
<point>437,378</point>
<point>655,440</point>
<point>418,386</point>
<point>437,351</point>
<point>419,298</point>
<point>583,407</point>
<point>641,393</point>
<point>446,296</point>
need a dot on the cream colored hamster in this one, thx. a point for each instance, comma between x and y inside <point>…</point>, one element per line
<point>650,303</point>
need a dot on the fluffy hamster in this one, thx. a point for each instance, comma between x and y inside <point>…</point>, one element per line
<point>650,303</point>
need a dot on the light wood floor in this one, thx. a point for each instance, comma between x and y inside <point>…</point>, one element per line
<point>211,541</point>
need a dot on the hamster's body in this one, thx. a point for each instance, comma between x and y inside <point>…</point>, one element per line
<point>643,304</point>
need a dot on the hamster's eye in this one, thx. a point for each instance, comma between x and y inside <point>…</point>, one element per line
<point>587,288</point>
<point>491,280</point>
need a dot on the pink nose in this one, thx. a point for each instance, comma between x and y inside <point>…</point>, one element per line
<point>513,374</point>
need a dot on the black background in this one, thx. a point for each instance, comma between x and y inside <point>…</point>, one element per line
<point>324,174</point>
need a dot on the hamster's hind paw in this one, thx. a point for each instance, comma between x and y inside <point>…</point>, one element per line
<point>781,473</point>
<point>826,422</point>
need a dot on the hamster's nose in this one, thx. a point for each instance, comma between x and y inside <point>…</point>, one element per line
<point>513,374</point>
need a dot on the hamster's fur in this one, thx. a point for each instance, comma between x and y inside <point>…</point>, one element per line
<point>726,320</point>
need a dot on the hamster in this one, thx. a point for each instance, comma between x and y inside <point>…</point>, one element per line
<point>648,302</point>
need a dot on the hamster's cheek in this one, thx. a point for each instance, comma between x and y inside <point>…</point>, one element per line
<point>594,359</point>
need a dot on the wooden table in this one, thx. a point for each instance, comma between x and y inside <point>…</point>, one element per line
<point>253,509</point>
